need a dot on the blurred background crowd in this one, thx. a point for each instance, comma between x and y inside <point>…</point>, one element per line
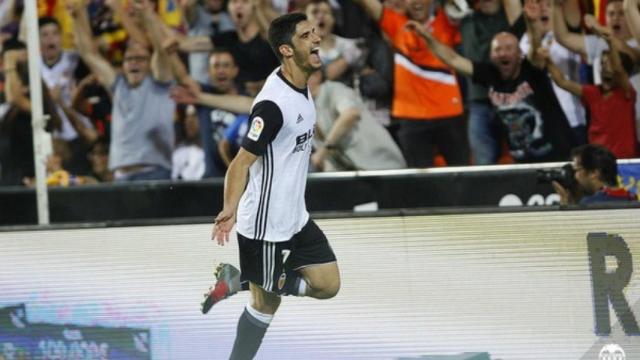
<point>147,90</point>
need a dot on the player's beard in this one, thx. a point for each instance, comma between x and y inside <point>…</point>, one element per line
<point>302,61</point>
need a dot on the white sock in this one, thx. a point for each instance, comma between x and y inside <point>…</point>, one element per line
<point>302,288</point>
<point>263,318</point>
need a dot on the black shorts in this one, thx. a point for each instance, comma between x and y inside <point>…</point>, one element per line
<point>268,263</point>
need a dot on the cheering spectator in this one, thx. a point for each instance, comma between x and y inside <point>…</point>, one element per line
<point>247,43</point>
<point>611,104</point>
<point>477,29</point>
<point>569,63</point>
<point>591,47</point>
<point>18,156</point>
<point>632,13</point>
<point>521,93</point>
<point>142,119</point>
<point>59,69</point>
<point>347,136</point>
<point>339,55</point>
<point>218,104</point>
<point>206,18</point>
<point>427,103</point>
<point>188,158</point>
<point>92,100</point>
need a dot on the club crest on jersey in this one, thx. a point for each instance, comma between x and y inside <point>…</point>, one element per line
<point>257,124</point>
<point>303,141</point>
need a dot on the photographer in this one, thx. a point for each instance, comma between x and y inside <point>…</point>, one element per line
<point>595,174</point>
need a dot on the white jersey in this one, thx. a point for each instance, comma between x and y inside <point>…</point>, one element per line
<point>281,129</point>
<point>60,75</point>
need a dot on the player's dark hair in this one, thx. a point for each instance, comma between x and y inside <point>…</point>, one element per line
<point>595,157</point>
<point>282,29</point>
<point>46,20</point>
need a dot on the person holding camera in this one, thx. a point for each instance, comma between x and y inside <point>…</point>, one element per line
<point>596,177</point>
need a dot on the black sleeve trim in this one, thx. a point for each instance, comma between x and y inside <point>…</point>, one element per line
<point>265,122</point>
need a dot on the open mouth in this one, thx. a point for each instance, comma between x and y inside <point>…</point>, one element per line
<point>315,53</point>
<point>544,18</point>
<point>616,27</point>
<point>321,25</point>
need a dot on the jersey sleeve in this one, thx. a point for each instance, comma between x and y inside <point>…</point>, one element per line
<point>265,122</point>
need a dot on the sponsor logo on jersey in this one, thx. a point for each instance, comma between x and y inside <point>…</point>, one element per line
<point>257,124</point>
<point>303,141</point>
<point>300,119</point>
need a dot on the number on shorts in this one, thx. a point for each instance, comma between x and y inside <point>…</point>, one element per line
<point>285,255</point>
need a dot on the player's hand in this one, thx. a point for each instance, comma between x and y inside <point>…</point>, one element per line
<point>222,226</point>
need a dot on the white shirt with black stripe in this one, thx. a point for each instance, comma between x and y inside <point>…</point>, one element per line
<point>282,121</point>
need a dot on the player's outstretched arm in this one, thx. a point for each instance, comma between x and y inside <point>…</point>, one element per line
<point>234,184</point>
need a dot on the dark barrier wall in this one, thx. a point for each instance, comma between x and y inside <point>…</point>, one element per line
<point>388,190</point>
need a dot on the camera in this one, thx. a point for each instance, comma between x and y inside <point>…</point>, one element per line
<point>564,176</point>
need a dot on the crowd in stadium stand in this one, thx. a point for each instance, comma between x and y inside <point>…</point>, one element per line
<point>162,89</point>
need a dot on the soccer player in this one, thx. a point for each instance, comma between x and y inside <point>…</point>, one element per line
<point>282,251</point>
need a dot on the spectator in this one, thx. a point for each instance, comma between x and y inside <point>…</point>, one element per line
<point>477,29</point>
<point>215,104</point>
<point>206,18</point>
<point>99,159</point>
<point>247,43</point>
<point>18,156</point>
<point>567,61</point>
<point>230,144</point>
<point>142,119</point>
<point>59,70</point>
<point>7,16</point>
<point>57,175</point>
<point>347,136</point>
<point>188,158</point>
<point>92,100</point>
<point>591,47</point>
<point>596,175</point>
<point>339,55</point>
<point>611,104</point>
<point>427,103</point>
<point>521,94</point>
<point>632,14</point>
